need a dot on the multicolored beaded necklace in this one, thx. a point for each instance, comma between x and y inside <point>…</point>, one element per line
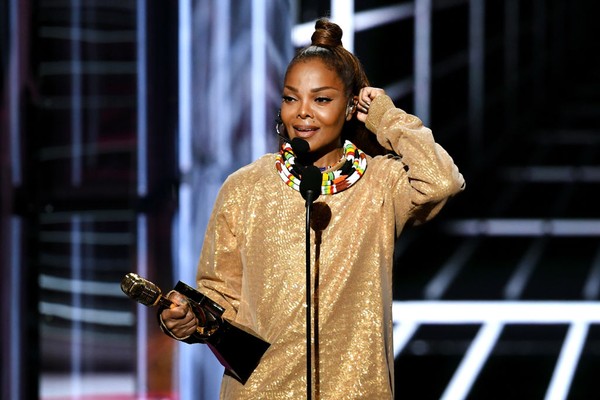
<point>333,181</point>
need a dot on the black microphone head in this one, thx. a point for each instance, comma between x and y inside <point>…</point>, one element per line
<point>300,146</point>
<point>140,289</point>
<point>310,184</point>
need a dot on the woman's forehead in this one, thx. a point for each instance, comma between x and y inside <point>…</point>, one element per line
<point>313,73</point>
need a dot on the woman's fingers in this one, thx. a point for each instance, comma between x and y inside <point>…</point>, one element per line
<point>366,96</point>
<point>179,319</point>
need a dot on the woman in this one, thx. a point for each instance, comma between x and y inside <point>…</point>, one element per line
<point>253,258</point>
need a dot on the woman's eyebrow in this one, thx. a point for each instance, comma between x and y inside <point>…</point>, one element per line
<point>320,89</point>
<point>314,90</point>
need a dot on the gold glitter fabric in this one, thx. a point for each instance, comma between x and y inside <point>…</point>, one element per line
<point>253,263</point>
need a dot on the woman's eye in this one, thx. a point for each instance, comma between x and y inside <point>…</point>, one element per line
<point>287,99</point>
<point>322,99</point>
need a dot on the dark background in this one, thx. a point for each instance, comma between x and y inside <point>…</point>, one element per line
<point>538,112</point>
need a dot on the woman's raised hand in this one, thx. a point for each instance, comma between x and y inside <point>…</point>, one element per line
<point>365,97</point>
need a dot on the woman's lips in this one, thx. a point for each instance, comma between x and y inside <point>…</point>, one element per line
<point>305,131</point>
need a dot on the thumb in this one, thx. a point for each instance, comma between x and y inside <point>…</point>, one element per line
<point>177,298</point>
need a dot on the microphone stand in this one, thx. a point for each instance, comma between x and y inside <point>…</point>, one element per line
<point>308,307</point>
<point>310,188</point>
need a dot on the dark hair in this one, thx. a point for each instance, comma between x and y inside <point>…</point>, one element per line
<point>326,45</point>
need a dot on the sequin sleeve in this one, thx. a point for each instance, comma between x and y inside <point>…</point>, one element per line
<point>220,265</point>
<point>431,172</point>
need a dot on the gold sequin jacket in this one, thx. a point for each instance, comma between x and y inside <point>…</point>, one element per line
<point>253,263</point>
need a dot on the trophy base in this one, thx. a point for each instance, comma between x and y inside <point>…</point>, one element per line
<point>237,348</point>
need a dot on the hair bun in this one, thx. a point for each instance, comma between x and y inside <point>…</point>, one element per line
<point>327,34</point>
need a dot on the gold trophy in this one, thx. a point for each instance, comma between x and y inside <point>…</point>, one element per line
<point>237,348</point>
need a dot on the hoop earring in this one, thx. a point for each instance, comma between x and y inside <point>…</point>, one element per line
<point>278,122</point>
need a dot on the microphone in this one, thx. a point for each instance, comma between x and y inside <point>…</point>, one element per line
<point>300,146</point>
<point>143,291</point>
<point>310,185</point>
<point>310,189</point>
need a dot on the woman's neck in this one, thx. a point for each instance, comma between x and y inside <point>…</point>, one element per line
<point>323,159</point>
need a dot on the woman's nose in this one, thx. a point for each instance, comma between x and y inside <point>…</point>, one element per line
<point>304,110</point>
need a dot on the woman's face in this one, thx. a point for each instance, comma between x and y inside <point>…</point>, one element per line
<point>314,109</point>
